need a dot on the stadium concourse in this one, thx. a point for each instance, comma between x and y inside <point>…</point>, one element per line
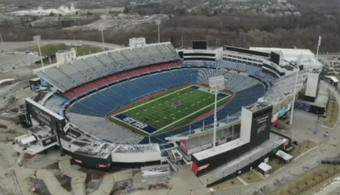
<point>148,104</point>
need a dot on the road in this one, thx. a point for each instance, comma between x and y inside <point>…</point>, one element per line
<point>10,46</point>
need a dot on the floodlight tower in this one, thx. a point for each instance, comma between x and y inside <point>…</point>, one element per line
<point>294,96</point>
<point>158,22</point>
<point>216,83</point>
<point>37,39</point>
<point>298,63</point>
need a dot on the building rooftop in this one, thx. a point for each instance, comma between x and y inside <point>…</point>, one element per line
<point>137,148</point>
<point>303,56</point>
<point>260,104</point>
<point>98,149</point>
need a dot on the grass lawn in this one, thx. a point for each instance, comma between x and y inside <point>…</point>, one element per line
<point>251,177</point>
<point>51,49</point>
<point>173,109</point>
<point>332,112</point>
<point>308,180</point>
<point>302,148</point>
<point>228,184</point>
<point>275,164</point>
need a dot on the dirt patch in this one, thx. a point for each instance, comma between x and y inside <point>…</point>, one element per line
<point>234,182</point>
<point>308,180</point>
<point>251,177</point>
<point>54,166</point>
<point>64,181</point>
<point>93,180</point>
<point>302,148</point>
<point>275,164</point>
<point>38,186</point>
<point>332,112</point>
<point>3,126</point>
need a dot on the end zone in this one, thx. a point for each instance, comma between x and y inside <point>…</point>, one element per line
<point>145,128</point>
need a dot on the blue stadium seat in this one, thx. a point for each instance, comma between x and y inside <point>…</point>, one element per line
<point>247,90</point>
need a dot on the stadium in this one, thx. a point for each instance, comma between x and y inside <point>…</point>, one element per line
<point>151,104</point>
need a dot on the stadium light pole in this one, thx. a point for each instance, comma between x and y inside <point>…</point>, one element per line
<point>215,118</point>
<point>294,96</point>
<point>37,39</point>
<point>158,22</point>
<point>216,83</point>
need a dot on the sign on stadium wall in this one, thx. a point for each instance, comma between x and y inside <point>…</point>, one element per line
<point>184,145</point>
<point>197,169</point>
<point>261,124</point>
<point>44,116</point>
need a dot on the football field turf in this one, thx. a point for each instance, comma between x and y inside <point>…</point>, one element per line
<point>169,110</point>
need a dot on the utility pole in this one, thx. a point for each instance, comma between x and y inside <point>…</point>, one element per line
<point>158,22</point>
<point>2,41</point>
<point>103,41</point>
<point>75,44</point>
<point>101,29</point>
<point>317,49</point>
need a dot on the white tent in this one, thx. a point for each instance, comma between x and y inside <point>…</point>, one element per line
<point>27,141</point>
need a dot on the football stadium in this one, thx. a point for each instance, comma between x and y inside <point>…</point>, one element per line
<point>153,104</point>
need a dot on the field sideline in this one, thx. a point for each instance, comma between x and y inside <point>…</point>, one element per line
<point>169,111</point>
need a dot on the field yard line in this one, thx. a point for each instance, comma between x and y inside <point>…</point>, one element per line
<point>147,102</point>
<point>188,115</point>
<point>241,180</point>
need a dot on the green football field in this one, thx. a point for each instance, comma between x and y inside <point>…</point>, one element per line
<point>170,110</point>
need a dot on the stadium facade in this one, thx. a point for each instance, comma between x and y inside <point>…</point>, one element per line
<point>74,111</point>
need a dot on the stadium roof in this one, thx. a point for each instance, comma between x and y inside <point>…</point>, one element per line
<point>305,56</point>
<point>67,75</point>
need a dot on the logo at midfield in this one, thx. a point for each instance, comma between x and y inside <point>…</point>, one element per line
<point>261,128</point>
